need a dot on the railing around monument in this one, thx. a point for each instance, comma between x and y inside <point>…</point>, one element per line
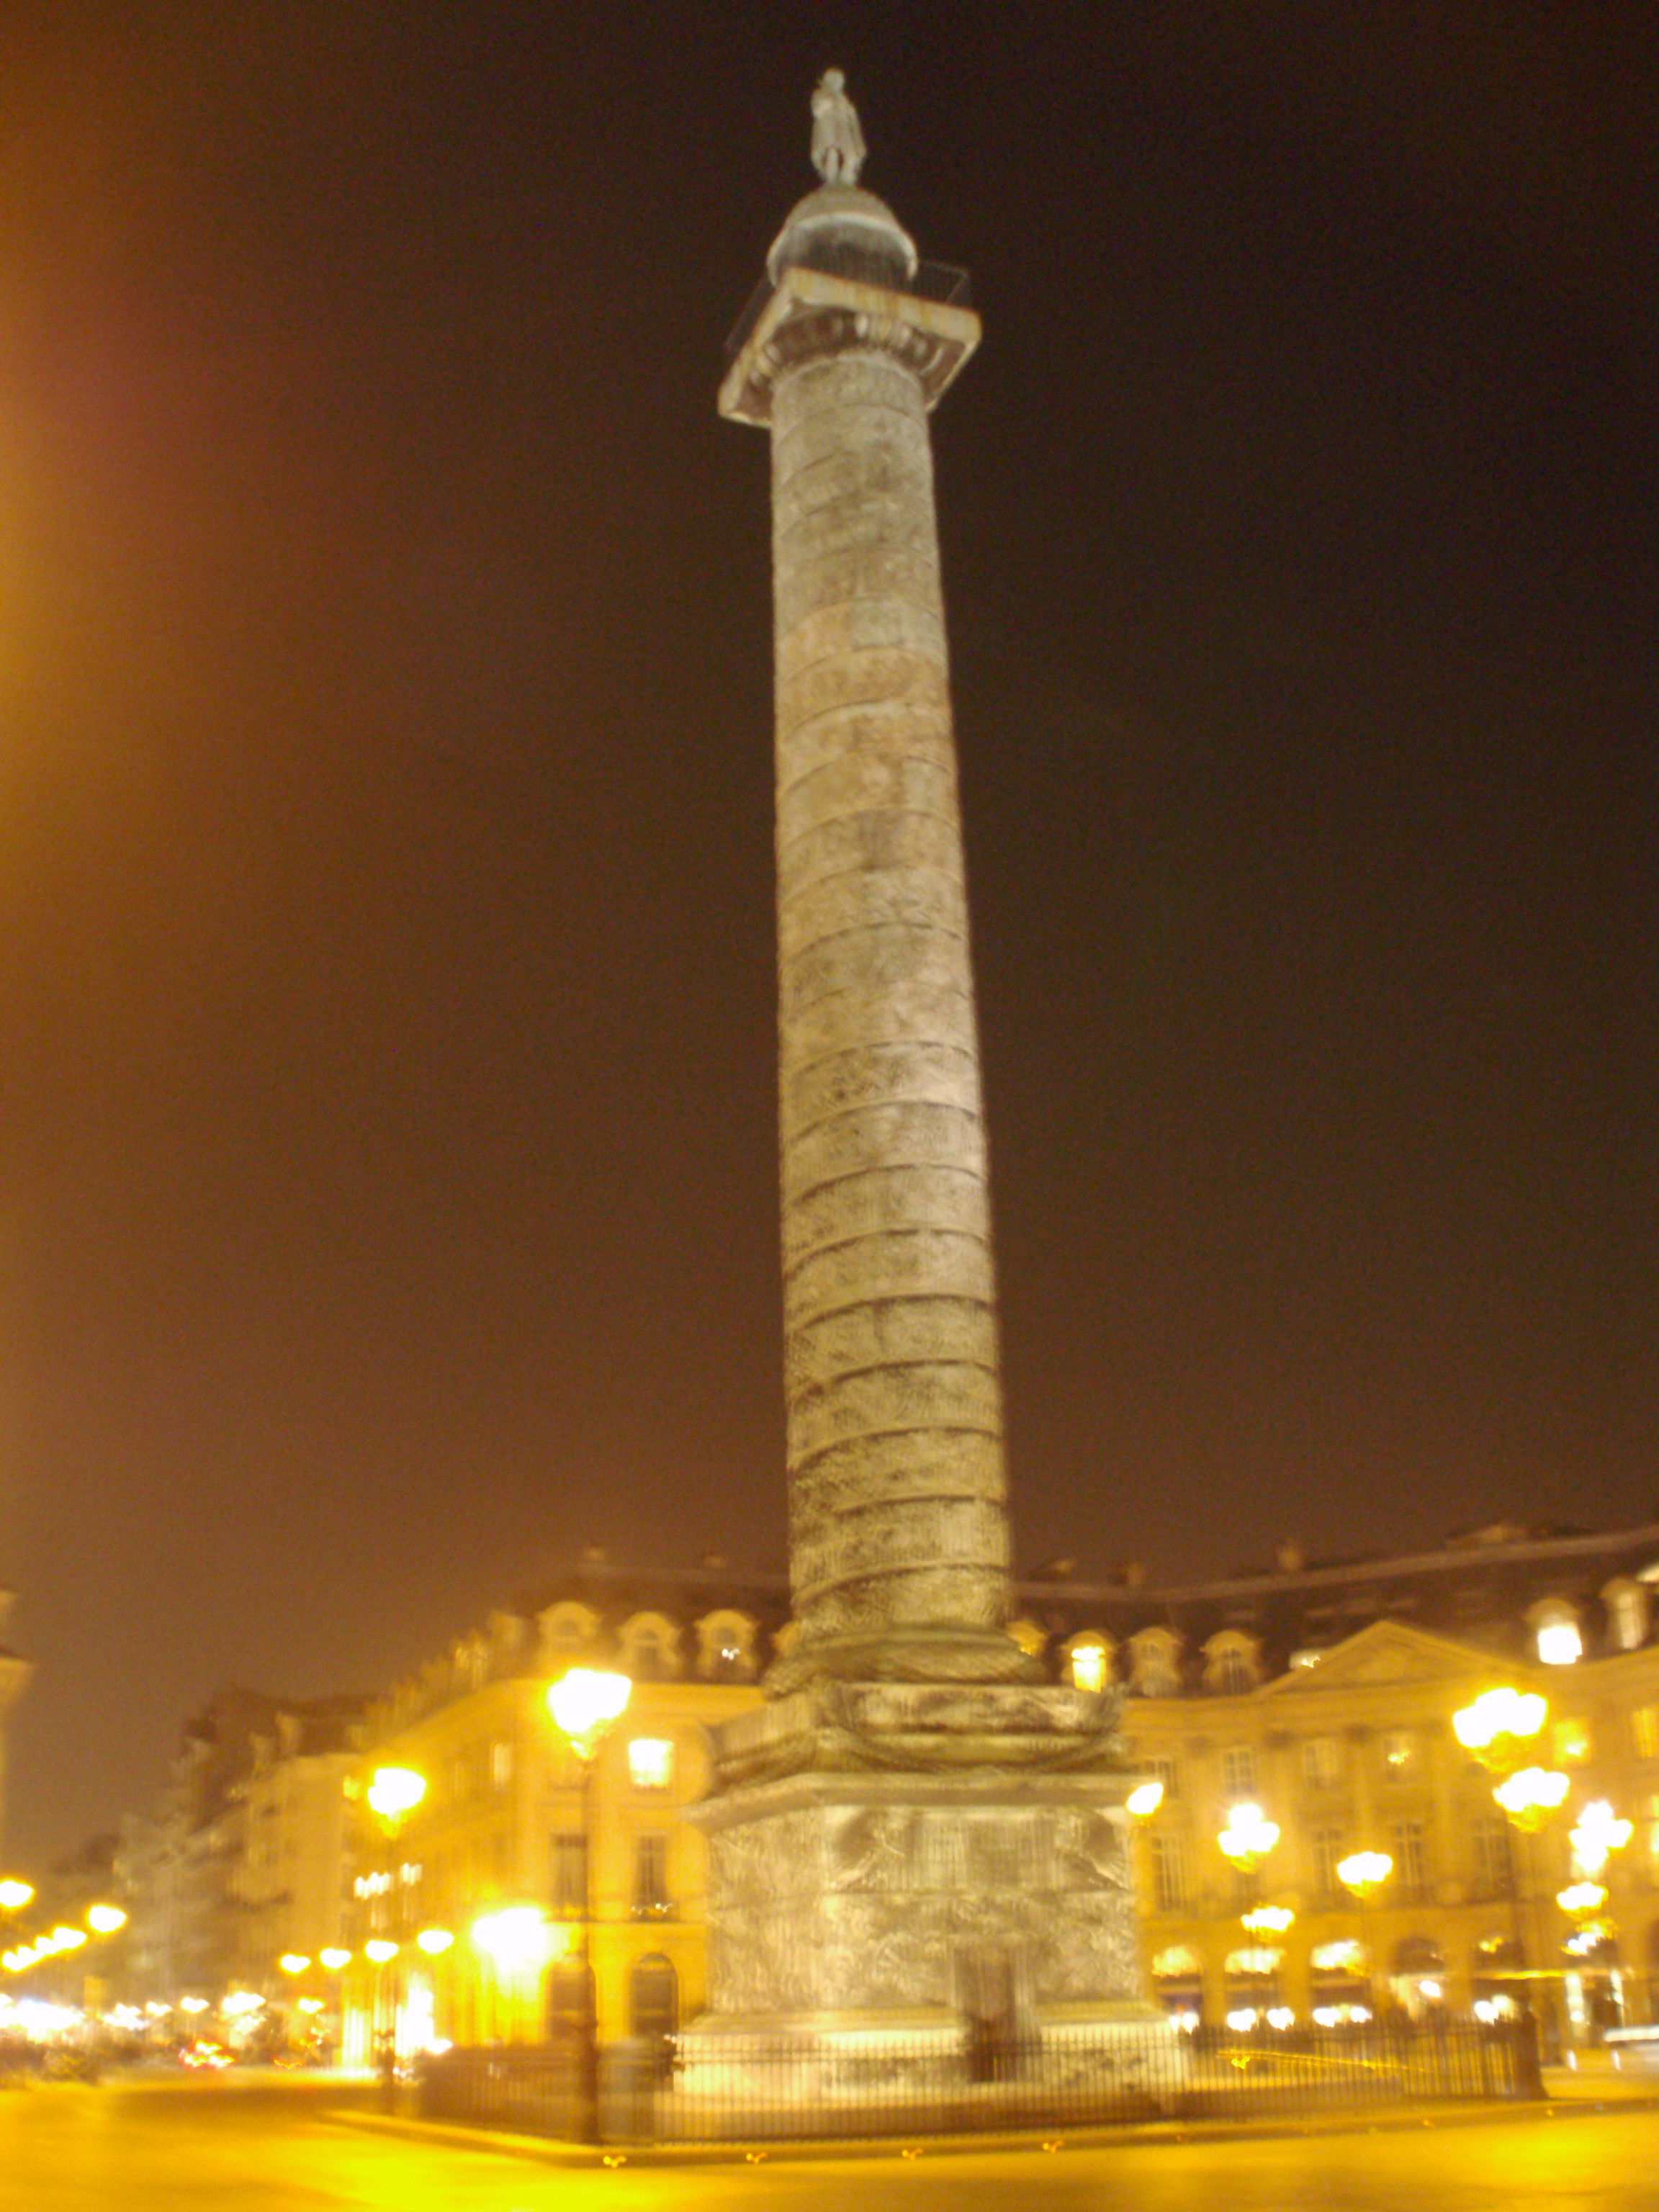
<point>934,280</point>
<point>761,2089</point>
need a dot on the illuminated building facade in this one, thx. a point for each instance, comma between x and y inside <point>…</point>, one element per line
<point>512,1855</point>
<point>1323,1695</point>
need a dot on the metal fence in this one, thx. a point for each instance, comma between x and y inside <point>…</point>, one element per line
<point>724,2089</point>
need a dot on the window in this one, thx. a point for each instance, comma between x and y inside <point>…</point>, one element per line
<point>1088,1663</point>
<point>1238,1771</point>
<point>1571,1741</point>
<point>1231,1674</point>
<point>1165,1771</point>
<point>1490,1857</point>
<point>1156,1666</point>
<point>1322,1762</point>
<point>501,1765</point>
<point>650,1646</point>
<point>651,1900</point>
<point>569,1868</point>
<point>1644,1731</point>
<point>1627,1614</point>
<point>1168,1852</point>
<point>725,1648</point>
<point>1326,1848</point>
<point>1402,1755</point>
<point>650,1762</point>
<point>1555,1627</point>
<point>1411,1861</point>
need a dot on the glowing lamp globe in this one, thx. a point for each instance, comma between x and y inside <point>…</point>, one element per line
<point>394,1792</point>
<point>584,1702</point>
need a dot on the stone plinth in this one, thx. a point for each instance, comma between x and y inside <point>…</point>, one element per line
<point>886,1846</point>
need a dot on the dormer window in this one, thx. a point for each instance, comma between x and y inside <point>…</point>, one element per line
<point>1155,1664</point>
<point>1089,1662</point>
<point>1555,1630</point>
<point>725,1647</point>
<point>1230,1666</point>
<point>1626,1601</point>
<point>650,1647</point>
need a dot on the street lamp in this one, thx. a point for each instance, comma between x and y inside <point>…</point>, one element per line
<point>584,1704</point>
<point>1364,1872</point>
<point>1531,1796</point>
<point>14,1894</point>
<point>393,1795</point>
<point>1596,1835</point>
<point>1248,1838</point>
<point>1498,1722</point>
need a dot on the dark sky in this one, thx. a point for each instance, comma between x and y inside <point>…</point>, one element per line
<point>387,1197</point>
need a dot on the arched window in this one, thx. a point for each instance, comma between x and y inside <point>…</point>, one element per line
<point>1088,1661</point>
<point>725,1647</point>
<point>1555,1630</point>
<point>568,1628</point>
<point>1155,1664</point>
<point>1230,1664</point>
<point>651,1648</point>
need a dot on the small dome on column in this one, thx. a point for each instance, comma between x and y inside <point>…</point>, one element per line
<point>845,231</point>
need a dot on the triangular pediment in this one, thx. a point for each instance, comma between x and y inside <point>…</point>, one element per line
<point>1387,1651</point>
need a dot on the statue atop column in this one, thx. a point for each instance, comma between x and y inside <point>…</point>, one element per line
<point>837,140</point>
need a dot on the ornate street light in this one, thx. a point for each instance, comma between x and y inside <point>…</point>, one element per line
<point>1143,1799</point>
<point>1364,1872</point>
<point>1530,1796</point>
<point>1248,1836</point>
<point>393,1795</point>
<point>584,1704</point>
<point>1267,1920</point>
<point>1597,1834</point>
<point>14,1894</point>
<point>1581,1898</point>
<point>1498,1722</point>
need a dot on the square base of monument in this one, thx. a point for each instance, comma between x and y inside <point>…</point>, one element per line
<point>995,1894</point>
<point>843,2076</point>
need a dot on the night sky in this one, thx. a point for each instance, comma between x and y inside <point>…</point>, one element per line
<point>387,1153</point>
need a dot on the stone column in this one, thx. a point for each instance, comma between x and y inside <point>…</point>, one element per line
<point>911,1822</point>
<point>898,1535</point>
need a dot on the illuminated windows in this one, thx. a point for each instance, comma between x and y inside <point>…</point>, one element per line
<point>1555,1627</point>
<point>650,1762</point>
<point>1402,1755</point>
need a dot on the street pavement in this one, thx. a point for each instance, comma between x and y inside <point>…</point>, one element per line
<point>213,2148</point>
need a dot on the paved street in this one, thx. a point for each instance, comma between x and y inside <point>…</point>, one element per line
<point>212,2148</point>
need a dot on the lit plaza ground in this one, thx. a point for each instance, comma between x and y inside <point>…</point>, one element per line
<point>161,2148</point>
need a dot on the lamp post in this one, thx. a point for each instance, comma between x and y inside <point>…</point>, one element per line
<point>585,1703</point>
<point>1363,1874</point>
<point>393,1795</point>
<point>1496,1728</point>
<point>1248,1838</point>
